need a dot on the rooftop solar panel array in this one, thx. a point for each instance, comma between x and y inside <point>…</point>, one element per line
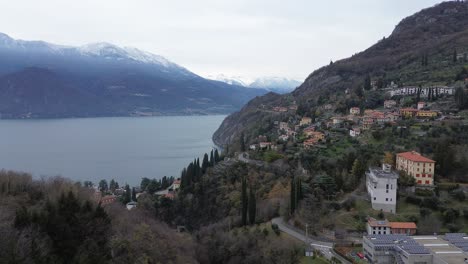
<point>398,243</point>
<point>460,240</point>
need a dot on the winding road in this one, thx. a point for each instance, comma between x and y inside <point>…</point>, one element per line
<point>326,248</point>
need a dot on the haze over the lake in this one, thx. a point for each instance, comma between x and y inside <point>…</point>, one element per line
<point>124,149</point>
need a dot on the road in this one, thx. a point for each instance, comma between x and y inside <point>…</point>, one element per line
<point>244,157</point>
<point>324,247</point>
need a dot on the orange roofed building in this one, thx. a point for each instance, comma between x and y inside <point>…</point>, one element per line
<point>417,166</point>
<point>404,228</point>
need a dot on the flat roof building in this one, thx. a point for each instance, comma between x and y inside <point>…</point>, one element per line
<point>448,249</point>
<point>382,188</point>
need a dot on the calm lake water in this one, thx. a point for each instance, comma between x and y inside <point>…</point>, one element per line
<point>125,149</point>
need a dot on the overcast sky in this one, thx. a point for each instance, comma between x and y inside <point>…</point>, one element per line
<point>248,38</point>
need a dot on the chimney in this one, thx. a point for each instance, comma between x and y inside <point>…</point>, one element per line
<point>386,167</point>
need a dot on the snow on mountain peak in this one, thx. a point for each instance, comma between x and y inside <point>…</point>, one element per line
<point>107,50</point>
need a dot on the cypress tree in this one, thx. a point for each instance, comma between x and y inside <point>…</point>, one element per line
<point>205,163</point>
<point>127,197</point>
<point>189,175</point>
<point>183,179</point>
<point>244,201</point>
<point>367,83</point>
<point>242,142</point>
<point>252,206</point>
<point>212,162</point>
<point>293,196</point>
<point>216,156</point>
<point>112,186</point>
<point>454,55</point>
<point>134,194</point>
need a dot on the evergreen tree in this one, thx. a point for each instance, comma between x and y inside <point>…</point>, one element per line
<point>357,171</point>
<point>212,161</point>
<point>128,195</point>
<point>153,186</point>
<point>189,175</point>
<point>460,98</point>
<point>103,187</point>
<point>112,186</point>
<point>144,183</point>
<point>252,206</point>
<point>367,83</point>
<point>454,56</point>
<point>134,195</point>
<point>244,201</point>
<point>242,142</point>
<point>216,156</point>
<point>292,196</point>
<point>183,179</point>
<point>164,182</point>
<point>205,163</point>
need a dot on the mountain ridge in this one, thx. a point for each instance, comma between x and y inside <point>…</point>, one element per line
<point>433,33</point>
<point>116,81</point>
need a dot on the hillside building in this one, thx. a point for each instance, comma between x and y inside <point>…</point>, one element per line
<point>354,110</point>
<point>305,121</point>
<point>384,227</point>
<point>417,166</point>
<point>390,104</point>
<point>382,188</point>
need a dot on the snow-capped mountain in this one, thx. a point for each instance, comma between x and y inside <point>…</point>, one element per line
<point>40,79</point>
<point>98,50</point>
<point>275,84</point>
<point>110,51</point>
<point>232,80</point>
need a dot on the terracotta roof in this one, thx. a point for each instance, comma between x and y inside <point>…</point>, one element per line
<point>403,225</point>
<point>414,156</point>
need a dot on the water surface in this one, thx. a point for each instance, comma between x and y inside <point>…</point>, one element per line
<point>125,149</point>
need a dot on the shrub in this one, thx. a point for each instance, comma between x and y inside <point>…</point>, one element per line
<point>431,202</point>
<point>424,192</point>
<point>414,200</point>
<point>459,195</point>
<point>275,229</point>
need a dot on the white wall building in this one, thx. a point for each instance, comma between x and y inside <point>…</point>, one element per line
<point>382,188</point>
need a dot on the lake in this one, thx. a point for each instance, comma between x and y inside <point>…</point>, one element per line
<point>121,148</point>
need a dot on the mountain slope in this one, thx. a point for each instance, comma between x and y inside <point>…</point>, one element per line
<point>108,80</point>
<point>434,33</point>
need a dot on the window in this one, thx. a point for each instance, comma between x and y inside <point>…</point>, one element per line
<point>375,198</point>
<point>387,191</point>
<point>427,182</point>
<point>417,175</point>
<point>429,175</point>
<point>424,175</point>
<point>419,182</point>
<point>386,186</point>
<point>386,199</point>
